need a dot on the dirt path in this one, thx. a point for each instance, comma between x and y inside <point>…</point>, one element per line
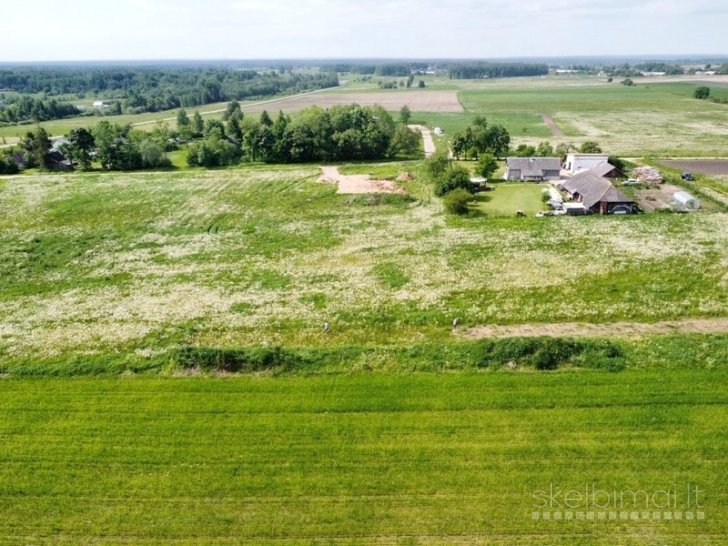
<point>613,329</point>
<point>555,131</point>
<point>357,183</point>
<point>427,138</point>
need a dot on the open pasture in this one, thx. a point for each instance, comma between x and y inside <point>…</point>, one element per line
<point>138,264</point>
<point>363,459</point>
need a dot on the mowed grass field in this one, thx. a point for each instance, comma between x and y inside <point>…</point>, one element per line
<point>359,459</point>
<point>507,199</point>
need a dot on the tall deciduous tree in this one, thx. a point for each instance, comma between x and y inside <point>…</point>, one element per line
<point>182,119</point>
<point>82,144</point>
<point>198,126</point>
<point>36,144</point>
<point>487,165</point>
<point>405,114</point>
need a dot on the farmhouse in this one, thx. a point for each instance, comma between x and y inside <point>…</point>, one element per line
<point>597,194</point>
<point>100,104</point>
<point>576,163</point>
<point>58,161</point>
<point>533,169</point>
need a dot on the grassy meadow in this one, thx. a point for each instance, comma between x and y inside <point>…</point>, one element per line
<point>135,265</point>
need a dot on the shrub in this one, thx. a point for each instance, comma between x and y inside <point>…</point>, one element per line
<point>702,92</point>
<point>456,201</point>
<point>458,177</point>
<point>546,353</point>
<point>7,165</point>
<point>234,360</point>
<point>590,147</point>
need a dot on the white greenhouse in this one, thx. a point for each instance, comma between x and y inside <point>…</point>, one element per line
<point>685,201</point>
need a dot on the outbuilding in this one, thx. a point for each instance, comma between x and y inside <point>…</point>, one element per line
<point>576,163</point>
<point>685,201</point>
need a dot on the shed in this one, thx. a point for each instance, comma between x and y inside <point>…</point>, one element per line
<point>685,201</point>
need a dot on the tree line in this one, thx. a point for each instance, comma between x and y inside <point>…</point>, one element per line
<point>339,133</point>
<point>17,109</point>
<point>476,70</point>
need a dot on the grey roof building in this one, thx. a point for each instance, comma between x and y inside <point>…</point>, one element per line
<point>533,168</point>
<point>597,194</point>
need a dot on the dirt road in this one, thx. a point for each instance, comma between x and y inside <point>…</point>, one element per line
<point>613,329</point>
<point>427,137</point>
<point>551,124</point>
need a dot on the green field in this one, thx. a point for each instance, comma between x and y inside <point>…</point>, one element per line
<point>363,459</point>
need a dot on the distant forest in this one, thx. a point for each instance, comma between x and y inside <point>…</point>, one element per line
<point>455,70</point>
<point>474,70</point>
<point>142,89</point>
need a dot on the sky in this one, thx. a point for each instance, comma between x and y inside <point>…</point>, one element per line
<point>78,30</point>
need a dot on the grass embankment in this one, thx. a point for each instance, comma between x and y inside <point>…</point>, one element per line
<point>362,459</point>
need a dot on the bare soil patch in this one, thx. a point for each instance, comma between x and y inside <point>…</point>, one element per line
<point>710,167</point>
<point>417,101</point>
<point>551,124</point>
<point>357,183</point>
<point>657,197</point>
<point>615,329</point>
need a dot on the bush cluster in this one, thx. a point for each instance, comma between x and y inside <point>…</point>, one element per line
<point>547,353</point>
<point>235,360</point>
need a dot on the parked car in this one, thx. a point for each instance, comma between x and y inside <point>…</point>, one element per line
<point>631,182</point>
<point>687,176</point>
